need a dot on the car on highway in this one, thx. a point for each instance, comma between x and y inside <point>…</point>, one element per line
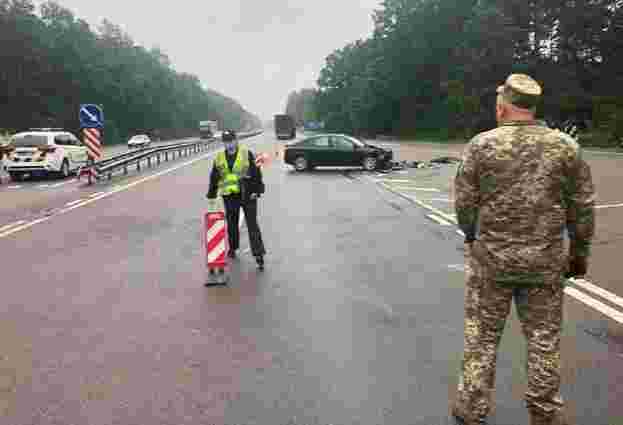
<point>335,150</point>
<point>44,151</point>
<point>139,141</point>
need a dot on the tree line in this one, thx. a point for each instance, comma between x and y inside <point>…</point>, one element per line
<point>431,67</point>
<point>53,61</point>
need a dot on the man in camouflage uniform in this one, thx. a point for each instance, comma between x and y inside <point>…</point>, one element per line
<point>517,189</point>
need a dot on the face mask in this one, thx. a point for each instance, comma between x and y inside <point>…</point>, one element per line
<point>230,147</point>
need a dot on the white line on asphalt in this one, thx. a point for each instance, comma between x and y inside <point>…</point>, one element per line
<point>393,180</point>
<point>95,194</point>
<point>439,220</point>
<point>8,226</point>
<point>607,295</point>
<point>609,206</point>
<point>433,209</point>
<point>459,267</point>
<point>59,184</point>
<point>441,199</point>
<point>69,204</point>
<point>13,187</point>
<point>414,189</point>
<point>43,185</point>
<point>597,305</point>
<point>580,296</point>
<point>109,193</point>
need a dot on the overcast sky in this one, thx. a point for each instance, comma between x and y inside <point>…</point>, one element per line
<point>253,51</point>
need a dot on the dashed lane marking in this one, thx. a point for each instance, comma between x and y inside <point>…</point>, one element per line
<point>117,189</point>
<point>58,184</point>
<point>13,187</point>
<point>69,204</point>
<point>10,225</point>
<point>93,195</point>
<point>42,186</point>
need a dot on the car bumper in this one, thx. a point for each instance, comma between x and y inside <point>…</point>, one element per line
<point>28,168</point>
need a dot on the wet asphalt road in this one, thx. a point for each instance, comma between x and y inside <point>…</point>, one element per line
<point>357,319</point>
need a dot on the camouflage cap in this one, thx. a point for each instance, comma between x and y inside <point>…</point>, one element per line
<point>521,90</point>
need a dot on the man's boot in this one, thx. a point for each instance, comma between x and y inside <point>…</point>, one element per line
<point>558,418</point>
<point>463,417</point>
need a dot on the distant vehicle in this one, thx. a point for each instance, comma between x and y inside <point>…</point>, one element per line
<point>285,127</point>
<point>335,150</point>
<point>208,129</point>
<point>44,151</point>
<point>139,141</point>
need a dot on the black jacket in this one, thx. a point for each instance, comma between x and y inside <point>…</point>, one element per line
<point>253,184</point>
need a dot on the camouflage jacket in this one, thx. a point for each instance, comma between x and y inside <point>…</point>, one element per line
<point>516,190</point>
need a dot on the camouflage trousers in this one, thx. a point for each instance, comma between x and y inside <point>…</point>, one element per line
<point>487,305</point>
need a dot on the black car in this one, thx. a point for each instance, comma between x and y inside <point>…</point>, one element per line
<point>335,150</point>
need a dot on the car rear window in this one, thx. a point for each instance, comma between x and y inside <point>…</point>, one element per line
<point>29,140</point>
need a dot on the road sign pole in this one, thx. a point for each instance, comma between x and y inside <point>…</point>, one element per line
<point>92,123</point>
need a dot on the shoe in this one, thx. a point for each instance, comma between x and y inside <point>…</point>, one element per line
<point>231,253</point>
<point>260,262</point>
<point>557,419</point>
<point>463,418</point>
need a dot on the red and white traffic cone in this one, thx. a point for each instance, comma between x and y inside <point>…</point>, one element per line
<point>215,230</point>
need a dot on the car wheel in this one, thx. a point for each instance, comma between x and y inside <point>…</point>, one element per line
<point>64,173</point>
<point>369,163</point>
<point>301,164</point>
<point>16,176</point>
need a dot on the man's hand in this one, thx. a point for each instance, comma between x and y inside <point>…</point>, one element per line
<point>577,267</point>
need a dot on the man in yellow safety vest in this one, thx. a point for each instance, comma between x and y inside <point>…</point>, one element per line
<point>236,177</point>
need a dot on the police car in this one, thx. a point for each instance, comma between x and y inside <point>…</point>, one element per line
<point>44,151</point>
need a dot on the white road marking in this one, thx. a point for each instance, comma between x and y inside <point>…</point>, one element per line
<point>434,210</point>
<point>460,233</point>
<point>607,295</point>
<point>597,305</point>
<point>59,184</point>
<point>14,187</point>
<point>439,220</point>
<point>609,206</point>
<point>584,298</point>
<point>8,226</point>
<point>441,200</point>
<point>95,194</point>
<point>109,193</point>
<point>43,185</point>
<point>415,189</point>
<point>69,204</point>
<point>459,267</point>
<point>393,180</point>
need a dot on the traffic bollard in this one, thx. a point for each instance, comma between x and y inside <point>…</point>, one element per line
<point>215,231</point>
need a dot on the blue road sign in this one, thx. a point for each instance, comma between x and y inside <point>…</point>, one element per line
<point>91,116</point>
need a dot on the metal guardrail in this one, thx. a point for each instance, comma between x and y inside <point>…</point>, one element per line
<point>108,166</point>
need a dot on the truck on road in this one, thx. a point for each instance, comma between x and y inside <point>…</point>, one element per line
<point>208,129</point>
<point>285,127</point>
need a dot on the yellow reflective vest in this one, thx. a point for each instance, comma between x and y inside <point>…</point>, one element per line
<point>229,182</point>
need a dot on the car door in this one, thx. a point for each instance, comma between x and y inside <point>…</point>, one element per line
<point>318,151</point>
<point>344,152</point>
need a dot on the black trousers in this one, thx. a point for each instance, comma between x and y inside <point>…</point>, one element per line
<point>233,203</point>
